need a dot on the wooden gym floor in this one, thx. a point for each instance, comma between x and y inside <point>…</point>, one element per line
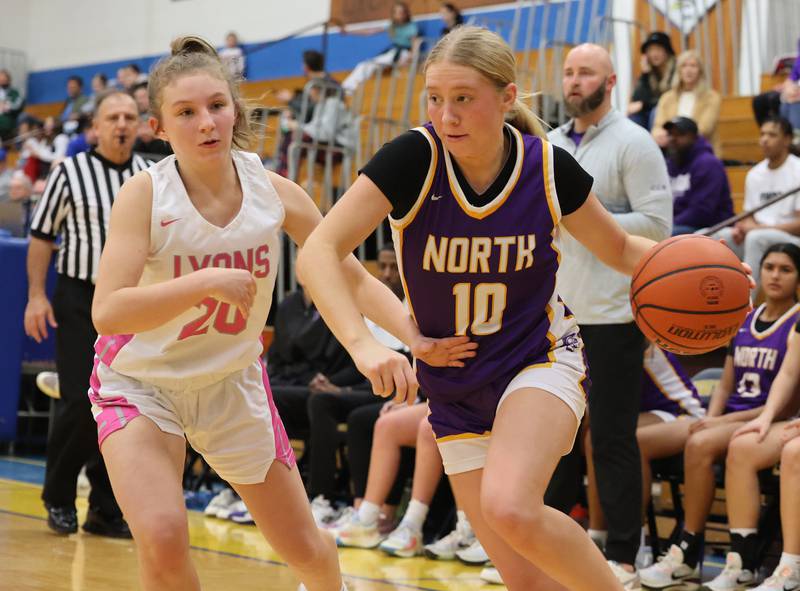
<point>228,556</point>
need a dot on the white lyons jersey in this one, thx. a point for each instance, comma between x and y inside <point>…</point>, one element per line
<point>211,340</point>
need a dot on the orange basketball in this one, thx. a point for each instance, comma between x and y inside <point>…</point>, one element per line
<point>689,294</point>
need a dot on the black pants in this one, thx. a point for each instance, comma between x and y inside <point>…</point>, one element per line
<point>615,353</point>
<point>360,428</point>
<point>325,412</point>
<point>73,440</point>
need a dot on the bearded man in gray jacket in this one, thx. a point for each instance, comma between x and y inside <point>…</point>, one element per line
<point>631,181</point>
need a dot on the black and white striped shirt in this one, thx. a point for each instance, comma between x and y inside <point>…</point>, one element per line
<point>77,203</point>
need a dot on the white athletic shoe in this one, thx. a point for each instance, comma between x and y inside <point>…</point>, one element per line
<point>630,581</point>
<point>322,511</point>
<point>354,534</point>
<point>785,578</point>
<point>461,538</point>
<point>669,571</point>
<point>403,542</point>
<point>235,507</point>
<point>242,517</point>
<point>221,500</point>
<point>340,520</point>
<point>733,577</point>
<point>644,557</point>
<point>491,575</point>
<point>474,555</point>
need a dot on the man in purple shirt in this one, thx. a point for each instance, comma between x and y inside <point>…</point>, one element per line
<point>697,177</point>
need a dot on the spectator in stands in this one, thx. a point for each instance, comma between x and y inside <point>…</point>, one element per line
<point>658,73</point>
<point>405,37</point>
<point>304,351</point>
<point>129,76</point>
<point>667,395</point>
<point>755,356</point>
<point>777,173</point>
<point>232,55</point>
<point>762,443</point>
<point>631,181</point>
<point>20,187</point>
<point>75,99</point>
<point>697,177</point>
<point>690,96</point>
<point>99,84</point>
<point>11,104</point>
<point>331,404</point>
<point>5,176</point>
<point>80,188</point>
<point>313,69</point>
<point>85,137</point>
<point>398,426</point>
<point>16,204</point>
<point>139,93</point>
<point>790,96</point>
<point>49,147</point>
<point>326,119</point>
<point>451,16</point>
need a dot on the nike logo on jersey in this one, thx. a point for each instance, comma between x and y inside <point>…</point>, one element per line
<point>436,197</point>
<point>165,223</point>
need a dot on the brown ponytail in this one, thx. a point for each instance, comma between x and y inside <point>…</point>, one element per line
<point>194,54</point>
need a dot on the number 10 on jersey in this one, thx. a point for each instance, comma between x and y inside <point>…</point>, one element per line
<point>486,302</point>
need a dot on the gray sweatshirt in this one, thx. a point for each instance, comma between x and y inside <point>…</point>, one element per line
<point>631,181</point>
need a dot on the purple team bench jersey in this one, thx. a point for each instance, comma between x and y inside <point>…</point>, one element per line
<point>666,387</point>
<point>488,272</point>
<point>757,357</point>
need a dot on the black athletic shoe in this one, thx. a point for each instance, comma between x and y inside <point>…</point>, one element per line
<point>62,520</point>
<point>113,527</point>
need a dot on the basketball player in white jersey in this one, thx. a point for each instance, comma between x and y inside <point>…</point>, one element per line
<point>182,295</point>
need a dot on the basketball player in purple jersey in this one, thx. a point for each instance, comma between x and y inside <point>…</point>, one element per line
<point>183,293</point>
<point>754,359</point>
<point>765,441</point>
<point>475,200</point>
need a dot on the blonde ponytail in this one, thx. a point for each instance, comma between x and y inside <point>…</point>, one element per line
<point>525,120</point>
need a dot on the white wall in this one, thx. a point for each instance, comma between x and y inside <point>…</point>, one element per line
<point>56,33</point>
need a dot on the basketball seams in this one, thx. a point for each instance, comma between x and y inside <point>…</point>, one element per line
<point>654,251</point>
<point>703,312</point>
<point>683,270</point>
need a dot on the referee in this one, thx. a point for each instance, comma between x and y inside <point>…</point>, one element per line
<point>76,206</point>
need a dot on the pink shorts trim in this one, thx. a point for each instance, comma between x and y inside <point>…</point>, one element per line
<point>107,347</point>
<point>115,411</point>
<point>283,449</point>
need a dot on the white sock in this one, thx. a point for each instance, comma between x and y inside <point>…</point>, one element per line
<point>599,536</point>
<point>415,514</point>
<point>643,539</point>
<point>792,560</point>
<point>368,513</point>
<point>744,531</point>
<point>461,517</point>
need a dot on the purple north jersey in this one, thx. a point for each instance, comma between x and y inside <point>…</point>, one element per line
<point>666,387</point>
<point>757,357</point>
<point>488,272</point>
